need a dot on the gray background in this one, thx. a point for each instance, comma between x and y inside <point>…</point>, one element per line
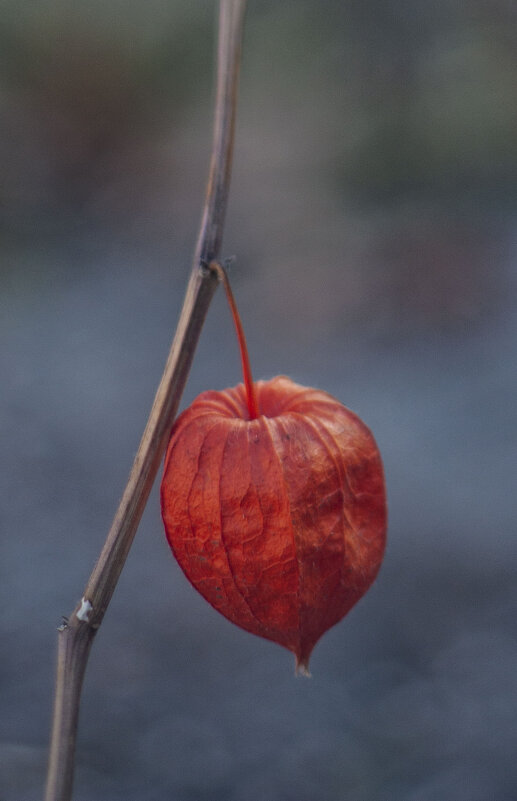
<point>373,216</point>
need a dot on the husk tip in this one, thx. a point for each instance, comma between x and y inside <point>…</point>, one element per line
<point>302,668</point>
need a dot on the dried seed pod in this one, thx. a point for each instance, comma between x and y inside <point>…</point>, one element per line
<point>278,521</point>
<point>274,505</point>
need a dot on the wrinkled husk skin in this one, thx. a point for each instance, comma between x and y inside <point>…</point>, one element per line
<point>279,522</point>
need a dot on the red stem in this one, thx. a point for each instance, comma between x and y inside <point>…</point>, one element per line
<point>251,397</point>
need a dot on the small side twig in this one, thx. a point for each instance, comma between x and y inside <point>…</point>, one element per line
<point>76,635</point>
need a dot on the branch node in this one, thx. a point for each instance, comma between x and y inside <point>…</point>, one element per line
<point>84,611</point>
<point>216,269</point>
<point>204,266</point>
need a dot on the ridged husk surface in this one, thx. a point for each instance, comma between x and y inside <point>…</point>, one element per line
<point>279,522</point>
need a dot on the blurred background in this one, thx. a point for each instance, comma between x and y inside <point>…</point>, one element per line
<point>373,217</point>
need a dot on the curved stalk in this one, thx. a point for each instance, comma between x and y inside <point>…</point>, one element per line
<point>251,395</point>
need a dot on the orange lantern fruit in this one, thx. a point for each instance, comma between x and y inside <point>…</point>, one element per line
<point>274,505</point>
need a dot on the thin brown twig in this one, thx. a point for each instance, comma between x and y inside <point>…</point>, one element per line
<point>76,636</point>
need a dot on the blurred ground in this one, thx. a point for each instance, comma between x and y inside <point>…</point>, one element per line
<point>373,216</point>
